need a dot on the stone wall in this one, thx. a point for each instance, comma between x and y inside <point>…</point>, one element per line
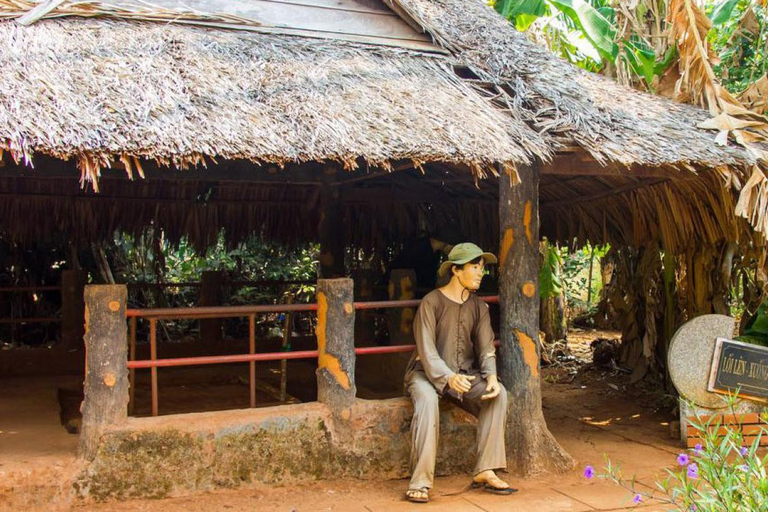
<point>182,454</point>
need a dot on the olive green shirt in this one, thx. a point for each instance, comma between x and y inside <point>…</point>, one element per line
<point>451,337</point>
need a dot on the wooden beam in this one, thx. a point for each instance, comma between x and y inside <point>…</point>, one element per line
<point>581,163</point>
<point>192,201</point>
<point>602,194</point>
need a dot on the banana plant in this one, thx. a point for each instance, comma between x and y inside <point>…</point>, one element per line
<point>585,32</point>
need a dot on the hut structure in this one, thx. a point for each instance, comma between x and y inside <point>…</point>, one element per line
<point>354,123</point>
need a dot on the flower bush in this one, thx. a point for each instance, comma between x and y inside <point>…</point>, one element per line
<point>724,473</point>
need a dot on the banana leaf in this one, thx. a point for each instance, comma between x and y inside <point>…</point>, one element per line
<point>521,12</point>
<point>596,28</point>
<point>722,11</point>
<point>550,284</point>
<point>641,60</point>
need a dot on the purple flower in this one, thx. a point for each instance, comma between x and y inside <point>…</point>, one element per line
<point>637,499</point>
<point>693,508</point>
<point>682,459</point>
<point>589,472</point>
<point>697,449</point>
<point>693,470</point>
<point>744,451</point>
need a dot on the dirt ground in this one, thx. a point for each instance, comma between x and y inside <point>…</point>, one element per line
<point>593,412</point>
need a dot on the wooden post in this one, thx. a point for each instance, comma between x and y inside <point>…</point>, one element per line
<point>365,332</point>
<point>287,330</point>
<point>72,308</point>
<point>106,358</point>
<point>400,320</point>
<point>531,447</point>
<point>335,343</point>
<point>210,295</point>
<point>331,231</point>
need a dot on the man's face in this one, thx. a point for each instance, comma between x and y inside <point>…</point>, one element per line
<point>471,275</point>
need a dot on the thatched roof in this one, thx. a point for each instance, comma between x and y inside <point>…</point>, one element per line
<point>179,93</point>
<point>610,121</point>
<point>98,88</point>
<point>104,89</point>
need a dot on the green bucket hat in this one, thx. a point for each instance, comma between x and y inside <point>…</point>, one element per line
<point>464,253</point>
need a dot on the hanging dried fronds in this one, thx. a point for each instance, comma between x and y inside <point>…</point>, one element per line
<point>755,97</point>
<point>753,201</point>
<point>698,83</point>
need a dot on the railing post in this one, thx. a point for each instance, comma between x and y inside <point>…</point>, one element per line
<point>106,358</point>
<point>72,308</point>
<point>211,284</point>
<point>336,343</point>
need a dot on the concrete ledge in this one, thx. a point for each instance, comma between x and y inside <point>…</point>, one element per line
<point>180,454</point>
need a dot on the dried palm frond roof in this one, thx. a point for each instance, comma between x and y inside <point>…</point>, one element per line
<point>610,121</point>
<point>396,103</point>
<point>99,89</point>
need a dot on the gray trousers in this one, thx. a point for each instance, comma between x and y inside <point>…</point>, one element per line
<point>425,427</point>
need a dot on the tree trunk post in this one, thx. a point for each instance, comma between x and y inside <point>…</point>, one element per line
<point>72,308</point>
<point>336,344</point>
<point>210,295</point>
<point>331,231</point>
<point>106,359</point>
<point>531,447</point>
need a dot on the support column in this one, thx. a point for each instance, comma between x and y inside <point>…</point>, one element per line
<point>72,308</point>
<point>211,283</point>
<point>531,447</point>
<point>106,358</point>
<point>331,231</point>
<point>336,344</point>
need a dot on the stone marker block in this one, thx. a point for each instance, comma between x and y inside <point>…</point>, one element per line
<point>690,357</point>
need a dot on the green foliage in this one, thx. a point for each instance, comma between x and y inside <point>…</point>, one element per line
<point>595,27</point>
<point>576,274</point>
<point>756,329</point>
<point>722,11</point>
<point>575,22</point>
<point>138,261</point>
<point>740,40</point>
<point>586,33</point>
<point>723,474</point>
<point>550,284</point>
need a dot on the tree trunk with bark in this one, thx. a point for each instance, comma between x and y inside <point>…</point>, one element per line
<point>106,373</point>
<point>531,447</point>
<point>336,343</point>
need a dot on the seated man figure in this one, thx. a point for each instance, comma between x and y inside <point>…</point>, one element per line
<point>455,358</point>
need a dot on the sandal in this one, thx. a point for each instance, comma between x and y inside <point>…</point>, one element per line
<point>419,495</point>
<point>493,484</point>
<point>504,491</point>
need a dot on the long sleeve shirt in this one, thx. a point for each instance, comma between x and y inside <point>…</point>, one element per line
<point>451,337</point>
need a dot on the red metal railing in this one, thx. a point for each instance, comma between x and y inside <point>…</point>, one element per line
<point>153,315</point>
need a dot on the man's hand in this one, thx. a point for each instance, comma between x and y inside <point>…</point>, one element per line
<point>460,383</point>
<point>493,388</point>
